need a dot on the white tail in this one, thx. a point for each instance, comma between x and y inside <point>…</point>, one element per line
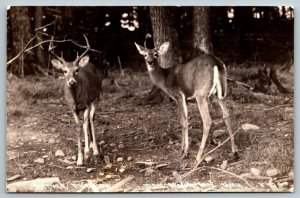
<point>198,78</point>
<point>81,93</point>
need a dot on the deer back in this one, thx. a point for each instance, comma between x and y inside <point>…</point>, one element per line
<point>200,74</point>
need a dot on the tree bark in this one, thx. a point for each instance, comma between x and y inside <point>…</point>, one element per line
<point>163,26</point>
<point>201,30</point>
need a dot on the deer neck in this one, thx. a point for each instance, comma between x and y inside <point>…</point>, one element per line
<point>75,96</point>
<point>165,79</point>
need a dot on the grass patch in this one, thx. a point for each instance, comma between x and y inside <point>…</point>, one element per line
<point>24,92</point>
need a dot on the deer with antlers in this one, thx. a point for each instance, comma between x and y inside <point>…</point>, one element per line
<point>81,90</point>
<point>199,78</point>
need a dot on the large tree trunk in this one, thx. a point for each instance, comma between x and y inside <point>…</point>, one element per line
<point>163,26</point>
<point>201,30</point>
<point>21,34</point>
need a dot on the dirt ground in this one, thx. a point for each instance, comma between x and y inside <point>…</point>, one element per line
<point>143,141</point>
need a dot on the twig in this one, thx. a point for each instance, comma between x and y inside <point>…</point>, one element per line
<point>81,46</point>
<point>287,179</point>
<point>41,70</point>
<point>141,149</point>
<point>221,170</point>
<point>25,49</point>
<point>56,166</point>
<point>117,187</point>
<point>276,107</point>
<point>241,83</point>
<point>40,28</point>
<point>230,173</point>
<point>22,51</point>
<point>218,146</point>
<point>120,64</point>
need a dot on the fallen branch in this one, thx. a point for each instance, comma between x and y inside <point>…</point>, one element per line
<point>56,166</point>
<point>198,163</point>
<point>241,83</point>
<point>221,170</point>
<point>117,187</point>
<point>256,177</point>
<point>277,107</point>
<point>37,185</point>
<point>287,179</point>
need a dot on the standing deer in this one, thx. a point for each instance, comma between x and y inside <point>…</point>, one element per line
<point>199,78</point>
<point>81,90</point>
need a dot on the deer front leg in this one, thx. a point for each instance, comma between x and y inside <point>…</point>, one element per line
<point>206,119</point>
<point>86,133</point>
<point>183,113</point>
<point>78,134</point>
<point>94,143</point>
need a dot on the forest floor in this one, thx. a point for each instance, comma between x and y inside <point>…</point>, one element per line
<point>140,143</point>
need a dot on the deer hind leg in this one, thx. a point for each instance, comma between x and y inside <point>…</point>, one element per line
<point>183,113</point>
<point>78,134</point>
<point>93,142</point>
<point>86,132</point>
<point>228,124</point>
<point>206,119</point>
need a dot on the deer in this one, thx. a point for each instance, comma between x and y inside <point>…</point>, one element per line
<point>81,92</point>
<point>197,79</point>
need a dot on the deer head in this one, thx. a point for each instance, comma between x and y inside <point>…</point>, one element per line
<point>70,69</point>
<point>151,55</point>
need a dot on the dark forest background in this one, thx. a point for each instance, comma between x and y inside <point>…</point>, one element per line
<point>238,34</point>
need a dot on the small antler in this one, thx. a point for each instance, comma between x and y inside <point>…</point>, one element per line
<point>51,47</point>
<point>87,49</point>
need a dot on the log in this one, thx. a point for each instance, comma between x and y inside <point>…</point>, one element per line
<point>117,187</point>
<point>37,185</point>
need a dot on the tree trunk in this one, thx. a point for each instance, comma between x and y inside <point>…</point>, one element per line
<point>201,30</point>
<point>21,34</point>
<point>163,26</point>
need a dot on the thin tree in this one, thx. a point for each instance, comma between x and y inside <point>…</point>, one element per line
<point>38,22</point>
<point>20,35</point>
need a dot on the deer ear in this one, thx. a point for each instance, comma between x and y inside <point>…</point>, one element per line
<point>141,49</point>
<point>163,48</point>
<point>84,61</point>
<point>57,64</point>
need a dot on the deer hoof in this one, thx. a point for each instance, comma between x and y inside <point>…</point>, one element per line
<point>234,156</point>
<point>79,162</point>
<point>86,156</point>
<point>184,155</point>
<point>95,152</point>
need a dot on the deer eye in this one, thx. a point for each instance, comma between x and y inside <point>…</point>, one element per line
<point>65,71</point>
<point>76,71</point>
<point>155,55</point>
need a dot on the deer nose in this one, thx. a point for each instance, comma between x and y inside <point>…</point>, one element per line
<point>150,62</point>
<point>72,83</point>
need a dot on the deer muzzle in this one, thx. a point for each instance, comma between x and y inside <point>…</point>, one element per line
<point>72,82</point>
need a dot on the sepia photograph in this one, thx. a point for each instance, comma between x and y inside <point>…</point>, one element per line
<point>150,99</point>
